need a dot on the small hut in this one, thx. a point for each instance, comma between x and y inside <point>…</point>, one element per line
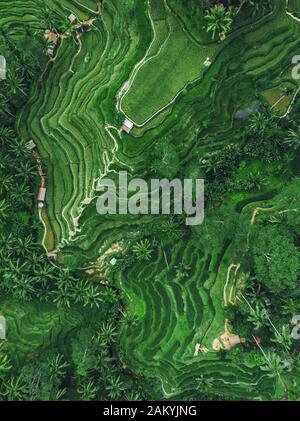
<point>50,51</point>
<point>30,145</point>
<point>52,256</point>
<point>234,340</point>
<point>127,126</point>
<point>72,17</point>
<point>2,68</point>
<point>2,327</point>
<point>42,194</point>
<point>113,261</point>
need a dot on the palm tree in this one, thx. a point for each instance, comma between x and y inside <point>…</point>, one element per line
<point>284,337</point>
<point>38,258</point>
<point>62,297</point>
<point>107,333</point>
<point>15,83</point>
<point>7,134</point>
<point>4,362</point>
<point>26,169</point>
<point>143,250</point>
<point>87,391</point>
<point>23,287</point>
<point>85,292</point>
<point>6,182</point>
<point>290,307</point>
<point>219,20</point>
<point>4,107</point>
<point>258,316</point>
<point>104,363</point>
<point>17,267</point>
<point>260,6</point>
<point>18,148</point>
<point>293,138</point>
<point>182,271</point>
<point>133,396</point>
<point>274,366</point>
<point>20,194</point>
<point>47,16</point>
<point>57,367</point>
<point>109,295</point>
<point>67,27</point>
<point>114,387</point>
<point>204,384</point>
<point>15,389</point>
<point>4,210</point>
<point>261,124</point>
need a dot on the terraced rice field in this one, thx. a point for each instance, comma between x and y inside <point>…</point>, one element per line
<point>70,116</point>
<point>173,60</point>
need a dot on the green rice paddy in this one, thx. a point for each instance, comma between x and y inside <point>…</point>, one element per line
<point>70,116</point>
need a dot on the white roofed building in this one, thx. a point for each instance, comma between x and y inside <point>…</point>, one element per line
<point>72,17</point>
<point>127,126</point>
<point>30,145</point>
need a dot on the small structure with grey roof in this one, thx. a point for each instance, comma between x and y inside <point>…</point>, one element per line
<point>30,145</point>
<point>2,327</point>
<point>2,68</point>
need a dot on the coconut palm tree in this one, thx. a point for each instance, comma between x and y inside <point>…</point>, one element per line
<point>260,6</point>
<point>62,297</point>
<point>283,337</point>
<point>293,138</point>
<point>274,366</point>
<point>88,294</point>
<point>114,387</point>
<point>20,194</point>
<point>23,287</point>
<point>57,367</point>
<point>4,362</point>
<point>219,20</point>
<point>15,83</point>
<point>47,16</point>
<point>109,295</point>
<point>67,27</point>
<point>42,270</point>
<point>107,333</point>
<point>87,391</point>
<point>7,134</point>
<point>6,182</point>
<point>4,210</point>
<point>133,396</point>
<point>17,267</point>
<point>261,124</point>
<point>258,316</point>
<point>290,307</point>
<point>143,250</point>
<point>18,148</point>
<point>204,384</point>
<point>26,169</point>
<point>15,389</point>
<point>4,108</point>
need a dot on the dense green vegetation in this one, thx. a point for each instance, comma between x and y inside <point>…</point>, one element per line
<point>151,326</point>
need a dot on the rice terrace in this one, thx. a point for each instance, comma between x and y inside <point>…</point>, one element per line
<point>143,306</point>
